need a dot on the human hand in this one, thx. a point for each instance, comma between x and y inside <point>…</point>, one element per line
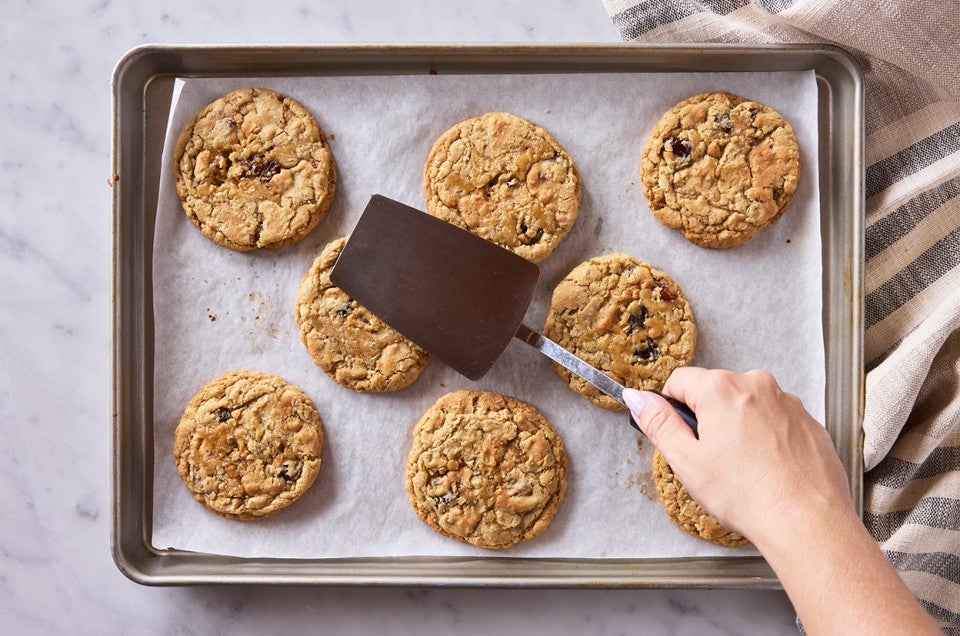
<point>761,459</point>
<point>766,469</point>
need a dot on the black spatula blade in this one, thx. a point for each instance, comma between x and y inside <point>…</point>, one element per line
<point>456,295</point>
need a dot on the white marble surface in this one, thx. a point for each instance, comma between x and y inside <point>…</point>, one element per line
<point>56,572</point>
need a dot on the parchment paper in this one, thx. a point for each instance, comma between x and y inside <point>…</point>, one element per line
<point>216,310</point>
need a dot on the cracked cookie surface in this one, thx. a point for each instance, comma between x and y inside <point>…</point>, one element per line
<point>504,179</point>
<point>253,170</point>
<point>720,168</point>
<point>248,444</point>
<point>354,347</point>
<point>624,317</point>
<point>486,469</point>
<point>687,513</point>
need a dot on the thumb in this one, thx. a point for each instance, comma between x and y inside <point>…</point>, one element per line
<point>658,420</point>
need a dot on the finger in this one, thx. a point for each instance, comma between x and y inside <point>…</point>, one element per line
<point>658,421</point>
<point>762,379</point>
<point>686,384</point>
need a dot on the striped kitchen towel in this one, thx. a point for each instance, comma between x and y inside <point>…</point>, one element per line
<point>910,57</point>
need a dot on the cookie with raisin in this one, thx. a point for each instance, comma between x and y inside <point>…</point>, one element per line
<point>353,346</point>
<point>720,168</point>
<point>506,180</point>
<point>624,317</point>
<point>253,170</point>
<point>486,469</point>
<point>248,445</point>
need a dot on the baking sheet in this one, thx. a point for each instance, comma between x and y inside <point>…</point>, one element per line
<point>218,310</point>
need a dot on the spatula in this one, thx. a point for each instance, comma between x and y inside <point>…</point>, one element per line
<point>453,293</point>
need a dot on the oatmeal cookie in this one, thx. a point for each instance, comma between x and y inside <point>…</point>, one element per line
<point>720,168</point>
<point>624,317</point>
<point>687,513</point>
<point>248,445</point>
<point>506,180</point>
<point>253,170</point>
<point>486,469</point>
<point>355,348</point>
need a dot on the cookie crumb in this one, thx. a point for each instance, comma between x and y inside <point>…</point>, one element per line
<point>643,480</point>
<point>648,490</point>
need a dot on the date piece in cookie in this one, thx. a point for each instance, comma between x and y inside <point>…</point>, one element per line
<point>506,180</point>
<point>687,513</point>
<point>486,469</point>
<point>625,318</point>
<point>253,169</point>
<point>248,445</point>
<point>720,168</point>
<point>354,347</point>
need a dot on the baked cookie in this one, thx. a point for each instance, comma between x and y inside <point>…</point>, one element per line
<point>253,169</point>
<point>625,318</point>
<point>248,445</point>
<point>720,168</point>
<point>486,469</point>
<point>506,180</point>
<point>687,513</point>
<point>354,347</point>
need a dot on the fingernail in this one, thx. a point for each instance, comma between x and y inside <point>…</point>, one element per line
<point>635,401</point>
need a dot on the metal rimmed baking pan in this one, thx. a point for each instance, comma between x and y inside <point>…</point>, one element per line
<point>142,86</point>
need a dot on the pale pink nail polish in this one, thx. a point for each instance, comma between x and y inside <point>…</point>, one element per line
<point>635,401</point>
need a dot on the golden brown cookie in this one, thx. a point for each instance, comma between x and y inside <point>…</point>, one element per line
<point>624,317</point>
<point>720,168</point>
<point>685,512</point>
<point>506,180</point>
<point>486,469</point>
<point>354,347</point>
<point>253,169</point>
<point>248,444</point>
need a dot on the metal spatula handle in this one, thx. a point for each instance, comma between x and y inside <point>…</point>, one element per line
<point>593,375</point>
